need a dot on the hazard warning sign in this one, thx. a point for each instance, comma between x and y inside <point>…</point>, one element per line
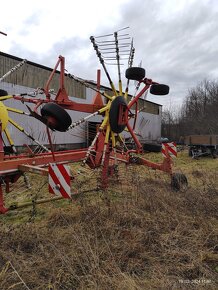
<point>59,180</point>
<point>169,149</point>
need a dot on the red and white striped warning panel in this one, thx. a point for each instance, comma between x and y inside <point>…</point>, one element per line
<point>169,148</point>
<point>59,180</point>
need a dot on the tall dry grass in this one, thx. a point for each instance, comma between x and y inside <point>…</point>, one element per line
<point>139,234</point>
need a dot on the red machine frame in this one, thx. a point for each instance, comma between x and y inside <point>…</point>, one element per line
<point>12,167</point>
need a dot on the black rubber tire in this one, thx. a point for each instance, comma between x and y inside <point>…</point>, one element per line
<point>3,93</point>
<point>135,73</point>
<point>159,89</point>
<point>179,182</point>
<point>114,114</point>
<point>152,147</point>
<point>63,119</point>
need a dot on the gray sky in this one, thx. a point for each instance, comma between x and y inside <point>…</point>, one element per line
<point>176,40</point>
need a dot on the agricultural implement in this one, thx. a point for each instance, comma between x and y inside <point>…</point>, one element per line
<point>119,114</point>
<point>202,145</point>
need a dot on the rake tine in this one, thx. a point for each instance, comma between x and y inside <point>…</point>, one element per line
<point>112,41</point>
<point>106,35</point>
<point>122,44</point>
<point>123,29</point>
<point>105,41</point>
<point>105,52</point>
<point>126,34</point>
<point>113,63</point>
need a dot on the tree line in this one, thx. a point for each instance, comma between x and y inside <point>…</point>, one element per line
<point>197,115</point>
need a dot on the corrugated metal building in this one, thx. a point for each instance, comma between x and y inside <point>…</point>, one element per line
<point>31,76</point>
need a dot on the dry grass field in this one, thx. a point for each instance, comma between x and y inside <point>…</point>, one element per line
<point>138,234</point>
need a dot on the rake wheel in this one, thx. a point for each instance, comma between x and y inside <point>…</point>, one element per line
<point>135,73</point>
<point>159,89</point>
<point>179,182</point>
<point>3,93</point>
<point>114,112</point>
<point>56,117</point>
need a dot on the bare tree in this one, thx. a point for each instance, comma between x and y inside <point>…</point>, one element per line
<point>198,113</point>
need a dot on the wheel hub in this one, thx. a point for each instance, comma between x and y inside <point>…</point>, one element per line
<point>118,114</point>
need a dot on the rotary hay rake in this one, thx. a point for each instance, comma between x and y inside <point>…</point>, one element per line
<point>108,147</point>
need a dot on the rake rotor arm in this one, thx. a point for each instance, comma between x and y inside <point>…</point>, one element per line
<point>13,69</point>
<point>130,62</point>
<point>26,133</point>
<point>118,62</point>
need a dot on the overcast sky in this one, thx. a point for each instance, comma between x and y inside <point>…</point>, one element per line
<point>176,40</point>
